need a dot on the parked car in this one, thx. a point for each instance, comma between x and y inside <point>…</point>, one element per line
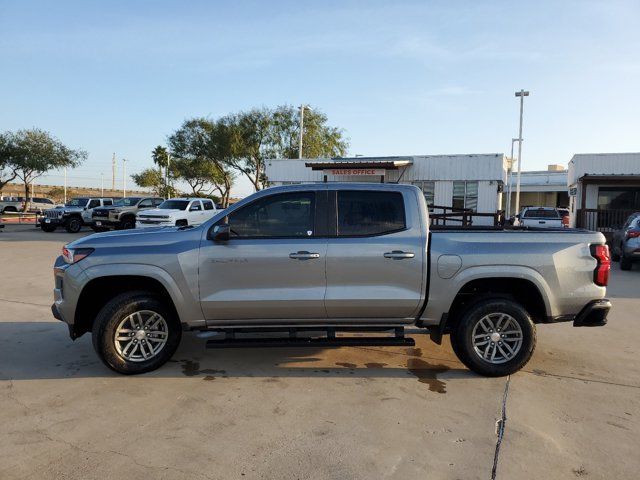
<point>73,215</point>
<point>539,217</point>
<point>625,246</point>
<point>332,257</point>
<point>178,212</point>
<point>122,214</point>
<point>10,204</point>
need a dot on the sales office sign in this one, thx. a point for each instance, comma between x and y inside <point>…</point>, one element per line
<point>357,172</point>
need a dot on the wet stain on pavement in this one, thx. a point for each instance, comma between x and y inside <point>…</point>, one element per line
<point>346,364</point>
<point>427,373</point>
<point>191,368</point>
<point>375,365</point>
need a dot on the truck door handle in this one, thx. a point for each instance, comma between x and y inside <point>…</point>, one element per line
<point>399,255</point>
<point>304,255</point>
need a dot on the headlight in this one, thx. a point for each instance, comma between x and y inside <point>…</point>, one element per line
<point>74,255</point>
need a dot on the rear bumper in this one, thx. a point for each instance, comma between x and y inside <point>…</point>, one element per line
<point>594,314</point>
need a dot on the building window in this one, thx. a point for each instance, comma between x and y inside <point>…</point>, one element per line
<point>465,195</point>
<point>428,189</point>
<point>618,198</point>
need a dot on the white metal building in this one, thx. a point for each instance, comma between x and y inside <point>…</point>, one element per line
<point>604,189</point>
<point>474,181</point>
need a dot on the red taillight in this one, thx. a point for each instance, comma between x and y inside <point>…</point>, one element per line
<point>601,273</point>
<point>633,234</point>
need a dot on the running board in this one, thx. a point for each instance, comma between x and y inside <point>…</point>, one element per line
<point>327,338</point>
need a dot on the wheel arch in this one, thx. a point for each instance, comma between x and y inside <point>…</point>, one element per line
<point>100,289</point>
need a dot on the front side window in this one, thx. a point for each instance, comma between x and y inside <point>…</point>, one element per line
<point>146,203</point>
<point>465,195</point>
<point>94,204</point>
<point>365,213</point>
<point>283,215</point>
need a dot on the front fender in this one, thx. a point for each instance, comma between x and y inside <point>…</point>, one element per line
<point>187,306</point>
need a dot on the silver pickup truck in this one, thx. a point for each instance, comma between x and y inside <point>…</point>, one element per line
<point>317,262</point>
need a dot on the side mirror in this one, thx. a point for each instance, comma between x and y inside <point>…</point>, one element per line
<point>220,233</point>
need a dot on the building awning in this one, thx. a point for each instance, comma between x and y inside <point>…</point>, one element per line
<point>609,179</point>
<point>385,163</point>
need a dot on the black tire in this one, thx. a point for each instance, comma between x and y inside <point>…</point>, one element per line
<point>47,228</point>
<point>462,344</point>
<point>73,225</point>
<point>181,223</point>
<point>116,310</point>
<point>127,223</point>
<point>625,263</point>
<point>615,256</point>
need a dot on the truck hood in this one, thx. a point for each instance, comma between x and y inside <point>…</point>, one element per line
<point>117,239</point>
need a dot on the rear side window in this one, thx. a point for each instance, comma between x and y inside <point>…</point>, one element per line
<point>289,215</point>
<point>363,213</point>
<point>108,202</point>
<point>208,204</point>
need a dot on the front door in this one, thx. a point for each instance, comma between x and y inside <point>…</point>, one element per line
<point>375,262</point>
<point>272,267</point>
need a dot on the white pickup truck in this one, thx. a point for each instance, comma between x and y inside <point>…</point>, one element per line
<point>539,217</point>
<point>178,212</point>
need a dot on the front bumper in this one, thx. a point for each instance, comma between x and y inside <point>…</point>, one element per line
<point>52,221</point>
<point>594,314</point>
<point>105,222</point>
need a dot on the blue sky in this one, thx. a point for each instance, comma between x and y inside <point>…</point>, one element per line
<point>400,77</point>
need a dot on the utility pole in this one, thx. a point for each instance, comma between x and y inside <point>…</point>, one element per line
<point>65,185</point>
<point>102,185</point>
<point>302,107</point>
<point>113,173</point>
<point>510,181</point>
<point>124,178</point>
<point>166,176</point>
<point>521,94</point>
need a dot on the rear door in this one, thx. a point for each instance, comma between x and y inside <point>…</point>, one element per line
<point>273,265</point>
<point>375,258</point>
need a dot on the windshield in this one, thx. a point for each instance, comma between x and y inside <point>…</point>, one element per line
<point>77,202</point>
<point>127,202</point>
<point>174,204</point>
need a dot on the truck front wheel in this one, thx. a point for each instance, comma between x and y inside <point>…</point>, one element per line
<point>136,333</point>
<point>73,225</point>
<point>495,337</point>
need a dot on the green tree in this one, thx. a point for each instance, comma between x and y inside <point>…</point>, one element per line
<point>319,139</point>
<point>153,179</point>
<point>261,133</point>
<point>7,174</point>
<point>34,152</point>
<point>200,152</point>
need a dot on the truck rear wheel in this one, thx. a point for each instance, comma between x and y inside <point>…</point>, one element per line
<point>625,263</point>
<point>136,333</point>
<point>73,225</point>
<point>495,337</point>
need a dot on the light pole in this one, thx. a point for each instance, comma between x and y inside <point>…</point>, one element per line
<point>510,181</point>
<point>521,94</point>
<point>102,185</point>
<point>124,178</point>
<point>302,107</point>
<point>65,185</point>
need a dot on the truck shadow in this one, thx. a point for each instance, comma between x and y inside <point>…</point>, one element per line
<point>43,350</point>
